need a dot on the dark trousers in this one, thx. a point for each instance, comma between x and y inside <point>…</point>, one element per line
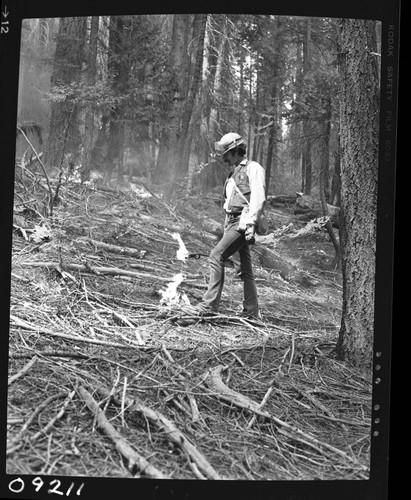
<point>232,241</point>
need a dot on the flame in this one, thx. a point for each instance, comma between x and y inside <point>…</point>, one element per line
<point>182,252</point>
<point>170,296</point>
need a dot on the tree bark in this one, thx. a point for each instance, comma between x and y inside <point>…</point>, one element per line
<point>89,129</point>
<point>306,182</point>
<point>171,129</point>
<point>325,127</point>
<point>359,113</point>
<point>190,114</point>
<point>336,178</point>
<point>118,70</point>
<point>64,135</point>
<point>214,176</point>
<point>271,169</point>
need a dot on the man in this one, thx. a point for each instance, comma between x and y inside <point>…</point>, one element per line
<point>249,178</point>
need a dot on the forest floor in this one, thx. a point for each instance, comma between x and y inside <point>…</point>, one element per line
<point>108,380</point>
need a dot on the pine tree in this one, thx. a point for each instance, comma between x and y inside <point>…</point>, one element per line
<point>359,111</point>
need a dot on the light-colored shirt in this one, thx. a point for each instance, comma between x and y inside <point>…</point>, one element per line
<point>256,178</point>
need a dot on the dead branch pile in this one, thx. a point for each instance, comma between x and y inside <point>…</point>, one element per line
<point>104,380</point>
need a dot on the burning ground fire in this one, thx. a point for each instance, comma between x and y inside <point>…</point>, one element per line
<point>170,296</point>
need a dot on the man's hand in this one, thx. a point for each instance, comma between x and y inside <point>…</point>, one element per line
<point>250,234</point>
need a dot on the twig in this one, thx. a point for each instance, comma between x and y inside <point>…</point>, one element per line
<point>292,351</point>
<point>172,433</point>
<point>39,409</point>
<point>328,414</point>
<point>111,271</point>
<point>167,353</point>
<point>122,401</point>
<point>193,404</point>
<point>237,358</point>
<point>43,168</point>
<point>280,372</point>
<point>54,419</point>
<point>225,393</point>
<point>195,470</point>
<point>23,370</point>
<point>262,404</point>
<point>27,326</point>
<point>177,401</point>
<point>122,319</point>
<point>194,407</point>
<point>132,252</point>
<point>112,390</point>
<point>49,353</point>
<point>135,460</point>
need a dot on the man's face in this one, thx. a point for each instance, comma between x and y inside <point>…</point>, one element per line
<point>229,157</point>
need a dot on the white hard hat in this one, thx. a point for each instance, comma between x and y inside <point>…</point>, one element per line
<point>227,142</point>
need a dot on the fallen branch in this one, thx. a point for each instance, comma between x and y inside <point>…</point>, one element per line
<point>215,382</point>
<point>122,320</point>
<point>23,324</point>
<point>112,271</point>
<point>16,443</point>
<point>50,353</point>
<point>194,408</point>
<point>171,431</point>
<point>132,252</point>
<point>273,260</point>
<point>23,370</point>
<point>135,460</point>
<point>262,404</point>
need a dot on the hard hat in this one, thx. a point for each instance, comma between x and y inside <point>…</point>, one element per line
<point>227,142</point>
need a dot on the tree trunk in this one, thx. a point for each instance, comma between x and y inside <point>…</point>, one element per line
<point>190,114</point>
<point>359,110</point>
<point>213,122</point>
<point>64,134</point>
<point>89,128</point>
<point>336,178</point>
<point>325,127</point>
<point>212,176</point>
<point>241,94</point>
<point>118,71</point>
<point>171,130</point>
<point>271,169</point>
<point>306,183</point>
<point>257,111</point>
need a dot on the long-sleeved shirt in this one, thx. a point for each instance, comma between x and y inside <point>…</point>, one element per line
<point>256,179</point>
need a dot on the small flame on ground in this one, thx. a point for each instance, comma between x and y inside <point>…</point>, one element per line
<point>170,296</point>
<point>182,252</point>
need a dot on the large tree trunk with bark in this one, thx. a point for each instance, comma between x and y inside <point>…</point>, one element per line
<point>191,113</point>
<point>171,128</point>
<point>274,135</point>
<point>118,69</point>
<point>213,175</point>
<point>306,174</point>
<point>89,126</point>
<point>64,134</point>
<point>359,110</point>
